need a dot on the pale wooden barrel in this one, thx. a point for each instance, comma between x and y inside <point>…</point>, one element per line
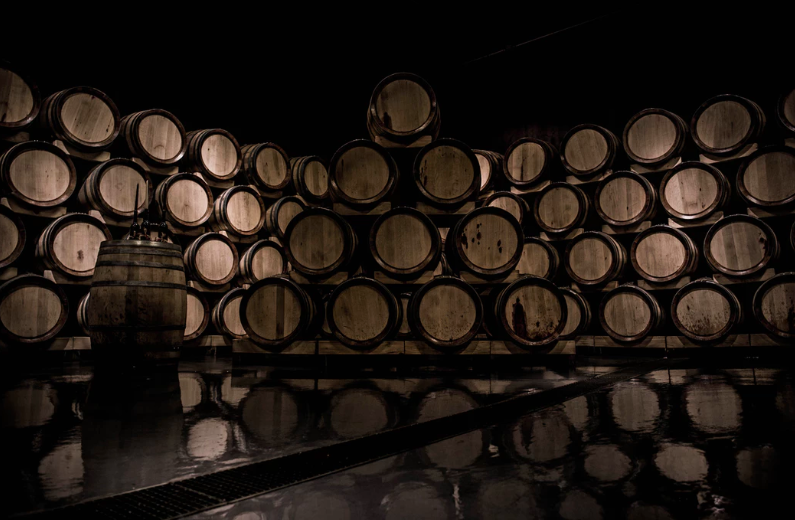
<point>694,191</point>
<point>82,313</point>
<point>311,178</point>
<point>214,153</point>
<point>513,204</point>
<point>362,313</point>
<point>70,244</point>
<point>725,124</point>
<point>588,150</point>
<point>185,199</point>
<point>538,258</point>
<point>154,135</point>
<point>786,111</point>
<point>23,293</point>
<point>226,314</point>
<point>19,99</point>
<point>280,213</point>
<point>531,312</point>
<point>662,253</point>
<point>446,312</point>
<point>82,117</point>
<point>654,136</point>
<point>578,314</point>
<point>275,311</point>
<point>138,301</point>
<point>774,306</point>
<point>767,178</point>
<point>487,241</point>
<point>403,108</point>
<point>197,316</point>
<point>263,259</point>
<point>560,208</point>
<point>528,161</point>
<point>318,242</point>
<point>405,242</point>
<point>240,211</point>
<point>111,186</point>
<point>447,173</point>
<point>358,411</point>
<point>37,174</point>
<point>212,259</point>
<point>705,311</point>
<point>740,245</point>
<point>490,168</point>
<point>624,199</point>
<point>594,258</point>
<point>404,331</point>
<point>266,166</point>
<point>12,236</point>
<point>362,173</point>
<point>629,313</point>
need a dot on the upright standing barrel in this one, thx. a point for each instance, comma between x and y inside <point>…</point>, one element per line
<point>560,208</point>
<point>275,311</point>
<point>486,241</point>
<point>447,173</point>
<point>629,313</point>
<point>404,242</point>
<point>280,213</point>
<point>588,150</point>
<point>226,314</point>
<point>37,174</point>
<point>654,136</point>
<point>726,124</point>
<point>539,258</point>
<point>578,314</point>
<point>740,245</point>
<point>445,312</point>
<point>197,315</point>
<point>362,173</point>
<point>19,99</point>
<point>111,188</point>
<point>594,258</point>
<point>70,244</point>
<point>774,306</point>
<point>155,135</point>
<point>531,312</point>
<point>662,253</point>
<point>362,313</point>
<point>263,259</point>
<point>402,109</point>
<point>240,211</point>
<point>311,178</point>
<point>705,311</point>
<point>319,243</point>
<point>213,153</point>
<point>138,297</point>
<point>82,117</point>
<point>185,200</point>
<point>12,236</point>
<point>625,199</point>
<point>786,110</point>
<point>694,191</point>
<point>767,178</point>
<point>490,168</point>
<point>512,203</point>
<point>212,259</point>
<point>24,294</point>
<point>266,166</point>
<point>528,161</point>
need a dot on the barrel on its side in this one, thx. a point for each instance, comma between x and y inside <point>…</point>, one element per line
<point>402,109</point>
<point>404,242</point>
<point>212,259</point>
<point>510,202</point>
<point>588,150</point>
<point>197,315</point>
<point>213,153</point>
<point>362,313</point>
<point>528,161</point>
<point>694,191</point>
<point>276,311</point>
<point>155,135</point>
<point>111,186</point>
<point>19,296</point>
<point>725,124</point>
<point>82,117</point>
<point>560,207</point>
<point>578,314</point>
<point>226,314</point>
<point>531,312</point>
<point>662,253</point>
<point>280,213</point>
<point>774,306</point>
<point>786,111</point>
<point>12,236</point>
<point>654,136</point>
<point>705,311</point>
<point>740,246</point>
<point>263,259</point>
<point>319,243</point>
<point>70,245</point>
<point>767,178</point>
<point>629,313</point>
<point>20,100</point>
<point>185,200</point>
<point>362,173</point>
<point>594,258</point>
<point>490,168</point>
<point>447,173</point>
<point>240,211</point>
<point>539,258</point>
<point>625,198</point>
<point>487,241</point>
<point>446,312</point>
<point>82,313</point>
<point>266,166</point>
<point>311,178</point>
<point>37,174</point>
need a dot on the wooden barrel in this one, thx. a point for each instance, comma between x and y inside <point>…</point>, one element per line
<point>774,306</point>
<point>138,301</point>
<point>486,241</point>
<point>266,166</point>
<point>725,124</point>
<point>740,245</point>
<point>226,314</point>
<point>311,178</point>
<point>12,236</point>
<point>280,213</point>
<point>594,258</point>
<point>362,313</point>
<point>538,258</point>
<point>588,150</point>
<point>185,199</point>
<point>694,191</point>
<point>404,242</point>
<point>197,315</point>
<point>528,161</point>
<point>662,253</point>
<point>490,168</point>
<point>70,244</point>
<point>214,153</point>
<point>446,312</point>
<point>19,99</point>
<point>654,136</point>
<point>362,173</point>
<point>212,259</point>
<point>625,198</point>
<point>402,109</point>
<point>38,174</point>
<point>263,259</point>
<point>404,331</point>
<point>531,312</point>
<point>513,204</point>
<point>240,211</point>
<point>82,117</point>
<point>786,111</point>
<point>275,311</point>
<point>447,173</point>
<point>82,313</point>
<point>19,296</point>
<point>318,242</point>
<point>705,311</point>
<point>767,178</point>
<point>155,135</point>
<point>560,208</point>
<point>110,188</point>
<point>578,314</point>
<point>629,313</point>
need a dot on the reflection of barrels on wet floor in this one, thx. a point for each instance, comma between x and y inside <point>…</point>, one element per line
<point>355,412</point>
<point>635,407</point>
<point>28,404</point>
<point>507,499</point>
<point>579,505</point>
<point>232,394</point>
<point>461,451</point>
<point>541,437</point>
<point>321,504</point>
<point>713,406</point>
<point>681,463</point>
<point>758,467</point>
<point>643,511</point>
<point>607,463</point>
<point>61,471</point>
<point>208,439</point>
<point>271,414</point>
<point>577,411</point>
<point>418,501</point>
<point>785,403</point>
<point>190,389</point>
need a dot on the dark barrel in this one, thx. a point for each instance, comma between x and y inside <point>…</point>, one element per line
<point>662,253</point>
<point>402,109</point>
<point>276,311</point>
<point>538,258</point>
<point>594,258</point>
<point>653,136</point>
<point>786,110</point>
<point>447,173</point>
<point>19,99</point>
<point>588,150</point>
<point>490,168</point>
<point>578,314</point>
<point>531,312</point>
<point>740,245</point>
<point>362,313</point>
<point>214,153</point>
<point>70,245</point>
<point>774,306</point>
<point>263,259</point>
<point>528,161</point>
<point>198,315</point>
<point>445,312</point>
<point>240,211</point>
<point>19,296</point>
<point>706,311</point>
<point>767,178</point>
<point>362,173</point>
<point>212,259</point>
<point>625,198</point>
<point>226,314</point>
<point>266,166</point>
<point>12,236</point>
<point>486,241</point>
<point>629,313</point>
<point>319,242</point>
<point>280,213</point>
<point>310,178</point>
<point>510,202</point>
<point>111,187</point>
<point>155,135</point>
<point>405,242</point>
<point>560,208</point>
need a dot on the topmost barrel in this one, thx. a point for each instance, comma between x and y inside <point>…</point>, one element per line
<point>19,99</point>
<point>725,124</point>
<point>402,109</point>
<point>82,117</point>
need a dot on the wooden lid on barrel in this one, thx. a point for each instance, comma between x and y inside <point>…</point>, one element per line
<point>402,105</point>
<point>578,314</point>
<point>37,173</point>
<point>83,117</point>
<point>274,311</point>
<point>198,315</point>
<point>588,149</point>
<point>362,313</point>
<point>629,313</point>
<point>740,245</point>
<point>185,199</point>
<point>653,136</point>
<point>538,258</point>
<point>774,305</point>
<point>510,202</point>
<point>693,191</point>
<point>266,165</point>
<point>767,178</point>
<point>446,172</point>
<point>446,312</point>
<point>560,207</point>
<point>12,236</point>
<point>531,311</point>
<point>226,314</point>
<point>786,110</point>
<point>212,259</point>
<point>70,245</point>
<point>240,210</point>
<point>23,293</point>
<point>215,153</point>
<point>311,178</point>
<point>111,188</point>
<point>662,253</point>
<point>362,173</point>
<point>594,258</point>
<point>705,311</point>
<point>155,135</point>
<point>528,161</point>
<point>625,198</point>
<point>487,241</point>
<point>263,259</point>
<point>724,124</point>
<point>319,242</point>
<point>279,215</point>
<point>405,242</point>
<point>19,99</point>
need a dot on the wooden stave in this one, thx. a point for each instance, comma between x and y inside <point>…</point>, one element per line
<point>304,322</point>
<point>736,316</point>
<point>419,331</point>
<point>190,260</point>
<point>217,314</point>
<point>245,268</point>
<point>578,221</point>
<point>612,150</point>
<point>474,188</point>
<point>656,313</point>
<point>505,329</point>
<point>756,129</point>
<point>130,137</point>
<point>336,192</point>
<point>759,295</point>
<point>82,314</point>
<point>272,215</point>
<point>44,244</point>
<point>459,260</point>
<point>161,196</point>
<point>552,255</point>
<point>23,280</point>
<point>430,126</point>
<point>249,154</point>
<point>431,259</point>
<point>649,208</point>
<point>348,250</point>
<point>298,168</point>
<point>495,165</point>
<point>720,202</point>
<point>691,249</point>
<point>768,257</point>
<point>788,125</point>
<point>34,111</point>
<point>193,159</point>
<point>90,195</point>
<point>675,150</point>
<point>48,117</point>
<point>21,236</point>
<point>395,313</point>
<point>549,152</point>
<point>585,313</point>
<point>616,268</point>
<point>221,210</point>
<point>8,157</point>
<point>206,318</point>
<point>746,195</point>
<point>524,207</point>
